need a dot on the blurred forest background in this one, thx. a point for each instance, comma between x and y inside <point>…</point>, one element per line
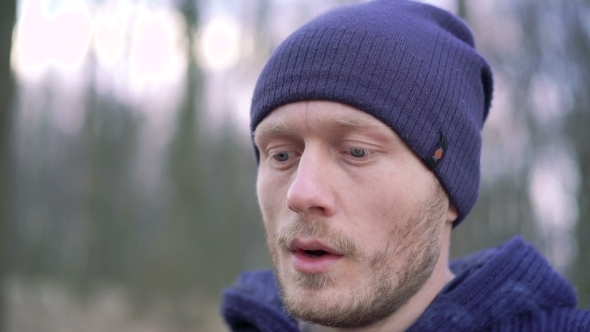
<point>126,171</point>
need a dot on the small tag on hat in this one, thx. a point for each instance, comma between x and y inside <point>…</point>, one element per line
<point>438,154</point>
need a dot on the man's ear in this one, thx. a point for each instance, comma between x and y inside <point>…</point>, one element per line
<point>451,213</point>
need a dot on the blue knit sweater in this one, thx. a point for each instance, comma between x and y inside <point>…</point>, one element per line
<point>508,288</point>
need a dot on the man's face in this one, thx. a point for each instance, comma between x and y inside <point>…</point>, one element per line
<point>353,218</point>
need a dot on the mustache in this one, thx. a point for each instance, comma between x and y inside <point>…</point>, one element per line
<point>318,228</point>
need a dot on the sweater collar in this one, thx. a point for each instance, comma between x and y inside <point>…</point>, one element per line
<point>494,284</point>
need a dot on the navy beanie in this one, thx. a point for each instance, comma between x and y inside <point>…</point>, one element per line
<point>411,65</point>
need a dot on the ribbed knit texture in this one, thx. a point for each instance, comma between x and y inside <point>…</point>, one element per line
<point>509,288</point>
<point>410,65</point>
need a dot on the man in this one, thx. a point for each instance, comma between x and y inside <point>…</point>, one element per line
<point>366,124</point>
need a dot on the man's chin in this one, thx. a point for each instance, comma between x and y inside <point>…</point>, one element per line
<point>328,307</point>
<point>312,282</point>
<point>306,289</point>
<point>315,305</point>
<point>320,299</point>
<point>329,300</point>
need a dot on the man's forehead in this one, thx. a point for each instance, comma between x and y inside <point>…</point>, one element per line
<point>297,117</point>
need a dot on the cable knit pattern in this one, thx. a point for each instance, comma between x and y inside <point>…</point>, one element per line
<point>411,65</point>
<point>509,288</point>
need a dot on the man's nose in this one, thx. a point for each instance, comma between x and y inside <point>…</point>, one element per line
<point>311,190</point>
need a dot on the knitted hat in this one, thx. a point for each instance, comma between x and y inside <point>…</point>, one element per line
<point>411,65</point>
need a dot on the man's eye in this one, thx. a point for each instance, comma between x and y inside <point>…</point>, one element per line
<point>281,156</point>
<point>358,152</point>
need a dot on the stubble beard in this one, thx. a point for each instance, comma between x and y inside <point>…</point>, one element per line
<point>394,274</point>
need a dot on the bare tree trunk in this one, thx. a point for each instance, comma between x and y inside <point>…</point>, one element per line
<point>579,49</point>
<point>7,18</point>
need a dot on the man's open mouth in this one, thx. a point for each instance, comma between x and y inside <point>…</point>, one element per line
<point>315,253</point>
<point>313,256</point>
<point>312,249</point>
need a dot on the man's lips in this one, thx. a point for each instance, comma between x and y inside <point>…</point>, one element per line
<point>312,245</point>
<point>313,256</point>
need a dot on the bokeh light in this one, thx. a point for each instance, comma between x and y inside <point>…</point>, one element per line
<point>218,47</point>
<point>157,51</point>
<point>46,39</point>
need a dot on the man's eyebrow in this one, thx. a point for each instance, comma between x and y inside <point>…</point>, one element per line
<point>288,127</point>
<point>283,127</point>
<point>353,122</point>
<point>374,129</point>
